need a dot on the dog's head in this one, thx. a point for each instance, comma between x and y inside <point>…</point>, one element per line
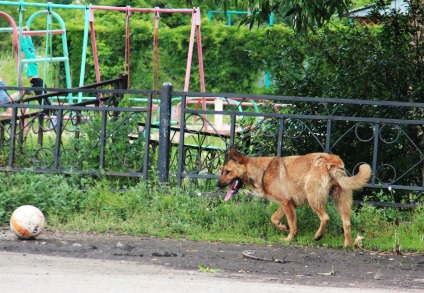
<point>233,172</point>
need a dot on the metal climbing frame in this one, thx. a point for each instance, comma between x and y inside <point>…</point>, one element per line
<point>195,33</point>
<point>89,25</point>
<point>18,33</point>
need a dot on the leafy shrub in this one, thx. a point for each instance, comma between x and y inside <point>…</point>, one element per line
<point>53,194</point>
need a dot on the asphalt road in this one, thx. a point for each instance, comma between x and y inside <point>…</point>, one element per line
<point>20,272</point>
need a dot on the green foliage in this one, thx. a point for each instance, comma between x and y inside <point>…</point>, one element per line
<point>364,63</point>
<point>7,65</point>
<point>65,2</point>
<point>83,204</point>
<point>383,227</point>
<point>304,14</point>
<point>356,63</point>
<point>344,62</point>
<point>231,61</point>
<point>168,212</point>
<point>53,194</point>
<point>205,269</point>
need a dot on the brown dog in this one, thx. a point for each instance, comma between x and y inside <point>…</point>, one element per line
<point>294,181</point>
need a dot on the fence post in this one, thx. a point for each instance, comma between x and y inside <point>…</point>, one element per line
<point>164,132</point>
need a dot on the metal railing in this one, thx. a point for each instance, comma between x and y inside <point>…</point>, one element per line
<point>92,137</point>
<point>115,136</point>
<point>356,130</point>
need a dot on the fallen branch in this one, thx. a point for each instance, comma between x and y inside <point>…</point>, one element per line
<point>250,254</point>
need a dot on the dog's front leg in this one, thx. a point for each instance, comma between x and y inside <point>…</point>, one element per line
<point>286,209</point>
<point>276,219</point>
<point>289,210</point>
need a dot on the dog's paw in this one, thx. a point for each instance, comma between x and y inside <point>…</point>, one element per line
<point>282,227</point>
<point>347,244</point>
<point>318,238</point>
<point>288,238</point>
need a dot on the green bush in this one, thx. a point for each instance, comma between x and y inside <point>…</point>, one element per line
<point>53,194</point>
<point>378,63</point>
<point>232,62</point>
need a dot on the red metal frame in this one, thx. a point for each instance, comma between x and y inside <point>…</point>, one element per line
<point>195,33</point>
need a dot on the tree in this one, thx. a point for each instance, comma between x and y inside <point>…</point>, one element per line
<point>306,14</point>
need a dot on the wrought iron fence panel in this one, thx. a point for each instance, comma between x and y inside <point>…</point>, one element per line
<point>92,140</point>
<point>121,137</point>
<point>358,131</point>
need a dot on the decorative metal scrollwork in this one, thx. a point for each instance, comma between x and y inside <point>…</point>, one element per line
<point>294,128</point>
<point>361,130</point>
<point>43,157</point>
<point>389,133</point>
<point>386,173</point>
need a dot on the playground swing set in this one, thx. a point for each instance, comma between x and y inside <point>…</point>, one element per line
<point>46,9</point>
<point>16,28</point>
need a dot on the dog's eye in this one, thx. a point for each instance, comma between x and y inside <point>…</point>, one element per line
<point>227,172</point>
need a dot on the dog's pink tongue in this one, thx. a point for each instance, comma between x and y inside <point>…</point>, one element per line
<point>232,190</point>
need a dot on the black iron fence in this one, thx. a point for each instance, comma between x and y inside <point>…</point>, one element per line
<point>183,136</point>
<point>357,131</point>
<point>92,135</point>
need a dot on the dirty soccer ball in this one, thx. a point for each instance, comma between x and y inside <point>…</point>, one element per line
<point>27,222</point>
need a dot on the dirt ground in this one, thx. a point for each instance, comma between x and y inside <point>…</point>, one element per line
<point>311,266</point>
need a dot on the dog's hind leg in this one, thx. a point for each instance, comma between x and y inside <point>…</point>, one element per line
<point>324,218</point>
<point>319,208</point>
<point>277,217</point>
<point>344,205</point>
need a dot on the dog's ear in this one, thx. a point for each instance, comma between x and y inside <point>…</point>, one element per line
<point>235,155</point>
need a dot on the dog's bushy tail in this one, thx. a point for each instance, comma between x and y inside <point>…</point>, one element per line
<point>353,182</point>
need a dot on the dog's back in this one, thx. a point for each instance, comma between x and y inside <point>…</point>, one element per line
<point>294,177</point>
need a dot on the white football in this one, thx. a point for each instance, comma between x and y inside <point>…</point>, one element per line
<point>27,222</point>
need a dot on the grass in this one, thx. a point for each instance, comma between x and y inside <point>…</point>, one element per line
<point>7,64</point>
<point>82,204</point>
<point>9,71</point>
